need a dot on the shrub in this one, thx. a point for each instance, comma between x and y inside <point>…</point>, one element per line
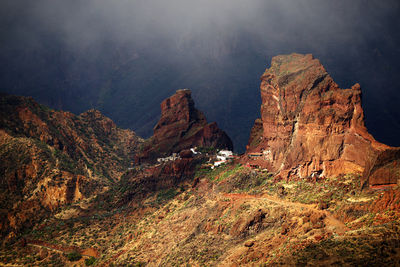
<point>74,256</point>
<point>166,195</point>
<point>90,261</point>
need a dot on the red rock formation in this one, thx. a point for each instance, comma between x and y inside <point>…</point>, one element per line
<point>90,139</point>
<point>52,158</point>
<point>256,134</point>
<point>310,125</point>
<point>180,127</point>
<point>383,169</point>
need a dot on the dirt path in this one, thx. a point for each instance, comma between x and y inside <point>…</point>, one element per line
<point>330,220</point>
<point>46,247</point>
<point>90,252</point>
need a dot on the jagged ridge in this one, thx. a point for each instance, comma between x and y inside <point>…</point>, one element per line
<point>51,158</point>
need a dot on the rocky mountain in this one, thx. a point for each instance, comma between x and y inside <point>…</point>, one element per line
<point>311,127</point>
<point>180,127</point>
<point>52,158</point>
<point>70,196</point>
<point>108,66</point>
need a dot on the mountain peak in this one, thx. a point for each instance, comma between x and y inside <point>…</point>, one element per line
<point>182,126</point>
<point>310,126</point>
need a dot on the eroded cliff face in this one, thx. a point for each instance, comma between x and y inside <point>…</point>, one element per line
<point>310,126</point>
<point>180,127</point>
<point>52,158</point>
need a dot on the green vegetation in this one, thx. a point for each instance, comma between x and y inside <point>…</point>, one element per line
<point>356,251</point>
<point>204,150</point>
<point>217,174</point>
<point>74,256</point>
<point>203,171</point>
<point>245,180</point>
<point>16,152</point>
<point>236,178</point>
<point>66,163</point>
<point>230,172</point>
<point>91,261</point>
<point>166,195</point>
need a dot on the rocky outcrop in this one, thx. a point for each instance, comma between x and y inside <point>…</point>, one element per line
<point>309,125</point>
<point>180,127</point>
<point>52,158</point>
<point>91,140</point>
<point>383,169</point>
<point>256,134</point>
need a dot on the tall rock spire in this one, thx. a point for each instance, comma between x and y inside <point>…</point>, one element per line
<point>309,125</point>
<point>180,127</point>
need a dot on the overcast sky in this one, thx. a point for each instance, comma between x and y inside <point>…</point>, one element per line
<point>311,23</point>
<point>357,41</point>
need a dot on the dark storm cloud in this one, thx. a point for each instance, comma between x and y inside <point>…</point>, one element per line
<point>311,22</point>
<point>201,26</point>
<point>71,51</point>
<point>211,27</point>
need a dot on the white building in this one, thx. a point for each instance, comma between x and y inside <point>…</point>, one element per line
<point>218,163</point>
<point>224,155</point>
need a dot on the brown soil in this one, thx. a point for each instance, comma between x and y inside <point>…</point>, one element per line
<point>330,220</point>
<point>89,252</point>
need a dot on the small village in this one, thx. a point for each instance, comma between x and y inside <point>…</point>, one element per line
<point>214,159</point>
<point>217,158</point>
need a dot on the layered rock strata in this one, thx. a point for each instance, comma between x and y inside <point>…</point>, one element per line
<point>181,127</point>
<point>310,126</point>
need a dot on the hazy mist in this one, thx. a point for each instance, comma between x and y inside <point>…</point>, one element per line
<point>123,57</point>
